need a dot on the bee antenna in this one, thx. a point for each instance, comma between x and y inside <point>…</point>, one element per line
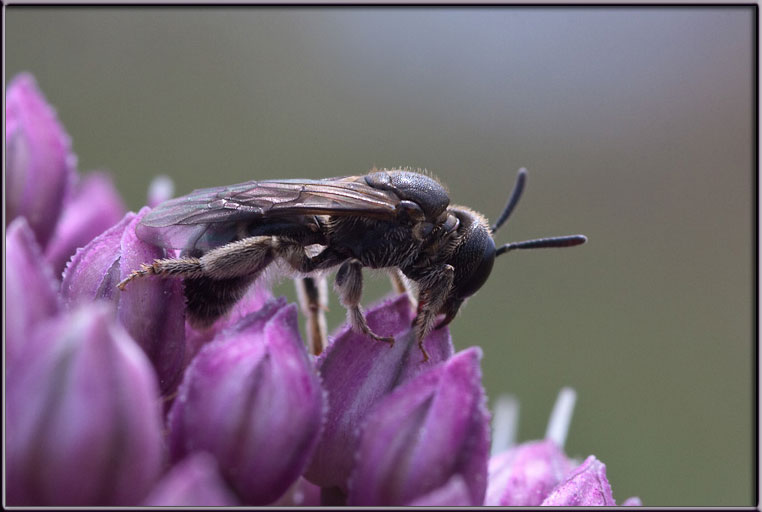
<point>513,200</point>
<point>541,243</point>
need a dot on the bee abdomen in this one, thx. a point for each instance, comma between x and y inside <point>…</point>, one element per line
<point>208,299</point>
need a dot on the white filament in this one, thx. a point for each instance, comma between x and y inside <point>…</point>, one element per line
<point>560,418</point>
<point>505,423</point>
<point>161,189</point>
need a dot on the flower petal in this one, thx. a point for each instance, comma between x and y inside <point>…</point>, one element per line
<point>30,288</point>
<point>40,166</point>
<point>93,272</point>
<point>586,486</point>
<point>83,415</point>
<point>193,482</point>
<point>94,207</point>
<point>357,372</point>
<point>152,309</point>
<point>252,398</point>
<point>454,493</point>
<point>426,431</point>
<point>526,474</point>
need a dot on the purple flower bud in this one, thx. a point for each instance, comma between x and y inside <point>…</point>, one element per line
<point>151,309</point>
<point>357,372</point>
<point>40,166</point>
<point>31,289</point>
<point>94,207</point>
<point>586,486</point>
<point>523,476</point>
<point>633,501</point>
<point>252,398</point>
<point>83,415</point>
<point>426,431</point>
<point>193,482</point>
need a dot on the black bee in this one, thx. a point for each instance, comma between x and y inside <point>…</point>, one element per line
<point>399,220</point>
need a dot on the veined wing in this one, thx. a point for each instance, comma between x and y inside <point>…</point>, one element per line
<point>208,218</point>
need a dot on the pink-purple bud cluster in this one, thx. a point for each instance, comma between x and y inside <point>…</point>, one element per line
<point>114,400</point>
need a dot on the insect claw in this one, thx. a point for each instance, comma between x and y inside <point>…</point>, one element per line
<point>145,269</point>
<point>425,354</point>
<point>385,339</point>
<point>123,283</point>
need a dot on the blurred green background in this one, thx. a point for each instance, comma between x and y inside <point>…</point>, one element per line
<point>636,125</point>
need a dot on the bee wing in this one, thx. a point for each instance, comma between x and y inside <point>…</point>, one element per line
<point>208,218</point>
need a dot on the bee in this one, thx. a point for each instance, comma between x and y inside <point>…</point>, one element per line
<point>399,220</point>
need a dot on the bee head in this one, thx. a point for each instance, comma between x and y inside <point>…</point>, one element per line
<point>475,254</point>
<point>472,259</point>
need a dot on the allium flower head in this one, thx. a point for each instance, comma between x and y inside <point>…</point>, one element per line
<point>114,399</point>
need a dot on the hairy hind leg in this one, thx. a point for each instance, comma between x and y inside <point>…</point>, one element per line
<point>215,281</point>
<point>237,259</point>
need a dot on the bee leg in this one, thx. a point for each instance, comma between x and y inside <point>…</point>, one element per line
<point>349,287</point>
<point>217,280</point>
<point>247,257</point>
<point>228,271</point>
<point>173,267</point>
<point>312,292</point>
<point>400,286</point>
<point>435,287</point>
<point>237,259</point>
<point>313,300</point>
